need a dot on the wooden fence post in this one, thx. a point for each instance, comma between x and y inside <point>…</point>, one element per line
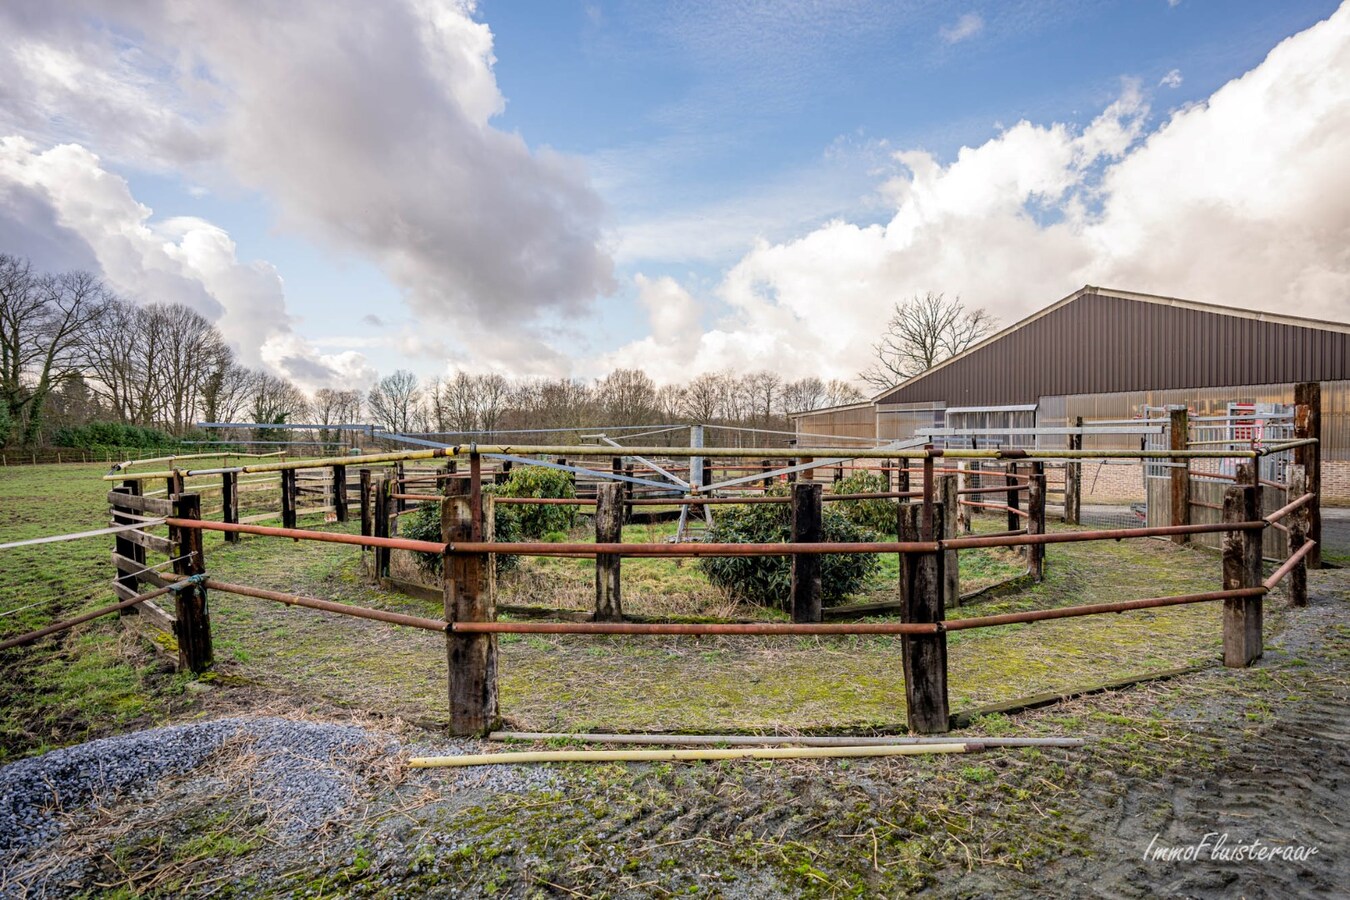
<point>472,658</point>
<point>951,569</point>
<point>124,547</point>
<point>1178,430</point>
<point>381,524</point>
<point>174,484</point>
<point>364,475</point>
<point>1308,424</point>
<point>192,621</point>
<point>1297,522</point>
<point>1073,480</point>
<point>1241,569</point>
<point>806,528</point>
<point>902,475</point>
<point>1036,521</point>
<point>1014,501</point>
<point>399,486</point>
<point>608,530</point>
<point>289,494</point>
<point>628,494</point>
<point>340,493</point>
<point>963,481</point>
<point>707,472</point>
<point>229,503</point>
<point>924,655</point>
<point>767,466</point>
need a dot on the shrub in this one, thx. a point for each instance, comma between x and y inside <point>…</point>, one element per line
<point>424,524</point>
<point>535,522</point>
<point>878,515</point>
<point>111,436</point>
<point>767,580</point>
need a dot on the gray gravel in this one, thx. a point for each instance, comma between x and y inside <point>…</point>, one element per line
<point>305,774</point>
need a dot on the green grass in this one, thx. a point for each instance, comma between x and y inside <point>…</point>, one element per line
<point>97,679</point>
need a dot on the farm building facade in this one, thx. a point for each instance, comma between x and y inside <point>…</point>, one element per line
<point>1103,354</point>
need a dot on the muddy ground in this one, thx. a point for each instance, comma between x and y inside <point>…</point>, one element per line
<point>1257,754</point>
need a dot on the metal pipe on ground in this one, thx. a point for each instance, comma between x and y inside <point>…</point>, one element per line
<point>552,756</point>
<point>752,740</point>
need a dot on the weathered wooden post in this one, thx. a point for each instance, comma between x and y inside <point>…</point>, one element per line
<point>707,472</point>
<point>924,655</point>
<point>1036,521</point>
<point>124,547</point>
<point>174,484</point>
<point>472,658</point>
<point>902,475</point>
<point>366,524</point>
<point>340,493</point>
<point>400,487</point>
<point>838,473</point>
<point>628,494</point>
<point>289,494</point>
<point>1178,430</point>
<point>767,466</point>
<point>1073,480</point>
<point>192,621</point>
<point>928,514</point>
<point>229,503</point>
<point>951,571</point>
<point>806,529</point>
<point>963,481</point>
<point>608,530</point>
<point>1297,523</point>
<point>1308,424</point>
<point>806,474</point>
<point>1014,503</point>
<point>381,523</point>
<point>1242,569</point>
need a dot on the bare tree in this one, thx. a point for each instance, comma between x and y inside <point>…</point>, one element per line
<point>190,345</point>
<point>703,398</point>
<point>922,332</point>
<point>225,390</point>
<point>838,392</point>
<point>275,401</point>
<point>627,397</point>
<point>393,401</point>
<point>44,324</point>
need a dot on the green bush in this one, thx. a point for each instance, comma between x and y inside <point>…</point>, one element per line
<point>424,524</point>
<point>112,435</point>
<point>878,515</point>
<point>535,522</point>
<point>6,425</point>
<point>767,580</point>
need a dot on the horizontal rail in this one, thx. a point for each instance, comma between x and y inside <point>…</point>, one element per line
<point>300,534</point>
<point>1113,534</point>
<point>846,453</point>
<point>344,609</point>
<point>1285,510</point>
<point>693,550</point>
<point>1070,612</point>
<point>1288,566</point>
<point>56,627</point>
<point>999,506</point>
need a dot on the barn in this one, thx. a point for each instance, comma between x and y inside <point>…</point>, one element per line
<point>1107,355</point>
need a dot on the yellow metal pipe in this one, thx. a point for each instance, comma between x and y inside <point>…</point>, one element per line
<point>717,452</point>
<point>552,756</point>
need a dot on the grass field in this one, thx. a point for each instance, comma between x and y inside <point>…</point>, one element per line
<point>101,678</point>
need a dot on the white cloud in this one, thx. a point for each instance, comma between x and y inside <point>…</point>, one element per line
<point>88,218</point>
<point>1241,200</point>
<point>370,132</point>
<point>966,27</point>
<point>1172,79</point>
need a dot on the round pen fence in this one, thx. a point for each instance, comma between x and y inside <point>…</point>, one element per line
<point>935,491</point>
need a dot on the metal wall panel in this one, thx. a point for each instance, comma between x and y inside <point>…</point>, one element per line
<point>1099,344</point>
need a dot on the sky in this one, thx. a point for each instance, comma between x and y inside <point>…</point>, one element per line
<point>560,188</point>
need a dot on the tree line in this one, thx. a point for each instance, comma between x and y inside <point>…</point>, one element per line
<point>72,352</point>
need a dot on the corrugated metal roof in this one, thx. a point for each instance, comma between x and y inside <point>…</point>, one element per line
<point>1098,340</point>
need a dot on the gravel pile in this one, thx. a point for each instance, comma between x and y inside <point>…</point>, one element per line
<point>301,770</point>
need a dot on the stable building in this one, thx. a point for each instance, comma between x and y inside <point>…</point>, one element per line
<point>1108,355</point>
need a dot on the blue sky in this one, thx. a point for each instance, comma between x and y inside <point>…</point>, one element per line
<point>690,180</point>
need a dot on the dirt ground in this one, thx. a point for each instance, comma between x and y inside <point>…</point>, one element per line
<point>1257,754</point>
